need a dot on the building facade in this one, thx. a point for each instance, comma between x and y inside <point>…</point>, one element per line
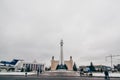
<point>33,66</point>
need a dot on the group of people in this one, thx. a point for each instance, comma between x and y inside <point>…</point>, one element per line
<point>88,72</point>
<point>39,71</point>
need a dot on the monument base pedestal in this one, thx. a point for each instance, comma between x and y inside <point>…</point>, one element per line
<point>61,73</point>
<point>64,67</point>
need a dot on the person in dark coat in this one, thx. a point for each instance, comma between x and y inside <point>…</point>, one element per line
<point>81,72</point>
<point>106,75</point>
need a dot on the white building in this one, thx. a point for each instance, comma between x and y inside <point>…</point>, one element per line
<point>33,66</point>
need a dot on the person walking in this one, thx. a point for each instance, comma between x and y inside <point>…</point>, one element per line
<point>87,71</point>
<point>106,75</point>
<point>25,74</point>
<point>81,72</point>
<point>38,72</point>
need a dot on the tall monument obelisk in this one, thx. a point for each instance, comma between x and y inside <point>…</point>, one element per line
<point>61,53</point>
<point>61,64</point>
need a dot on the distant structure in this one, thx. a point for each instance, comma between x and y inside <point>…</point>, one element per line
<point>13,65</point>
<point>18,65</point>
<point>61,64</point>
<point>33,66</point>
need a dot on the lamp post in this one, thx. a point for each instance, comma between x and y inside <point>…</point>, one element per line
<point>111,58</point>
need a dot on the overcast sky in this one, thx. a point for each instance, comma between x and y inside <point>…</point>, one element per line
<point>32,29</point>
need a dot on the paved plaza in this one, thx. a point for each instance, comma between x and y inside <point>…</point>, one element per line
<point>52,76</point>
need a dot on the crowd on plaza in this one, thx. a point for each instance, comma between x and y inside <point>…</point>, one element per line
<point>88,72</point>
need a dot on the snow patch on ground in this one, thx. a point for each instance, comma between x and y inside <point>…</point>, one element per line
<point>16,73</point>
<point>110,74</point>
